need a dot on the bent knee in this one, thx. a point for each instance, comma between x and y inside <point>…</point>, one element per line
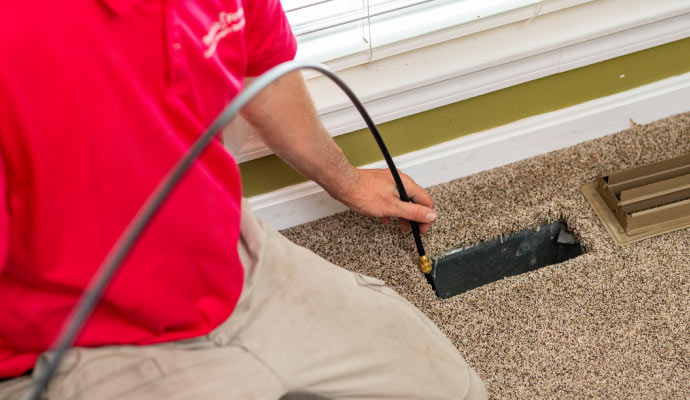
<point>477,389</point>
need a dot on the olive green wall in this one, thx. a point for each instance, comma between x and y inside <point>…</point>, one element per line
<point>498,108</point>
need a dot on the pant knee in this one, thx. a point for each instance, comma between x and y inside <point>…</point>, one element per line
<point>477,389</point>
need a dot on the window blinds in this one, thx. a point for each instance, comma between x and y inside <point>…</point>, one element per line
<point>329,30</point>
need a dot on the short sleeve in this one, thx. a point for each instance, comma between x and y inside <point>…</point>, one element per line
<point>268,36</point>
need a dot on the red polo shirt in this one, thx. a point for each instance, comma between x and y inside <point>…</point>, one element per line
<point>98,100</point>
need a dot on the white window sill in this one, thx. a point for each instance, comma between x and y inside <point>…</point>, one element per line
<point>404,83</point>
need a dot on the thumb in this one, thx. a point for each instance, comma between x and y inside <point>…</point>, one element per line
<point>415,212</point>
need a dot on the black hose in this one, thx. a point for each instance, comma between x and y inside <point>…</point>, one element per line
<point>379,140</point>
<point>117,254</point>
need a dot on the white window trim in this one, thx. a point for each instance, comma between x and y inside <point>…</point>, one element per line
<point>408,82</point>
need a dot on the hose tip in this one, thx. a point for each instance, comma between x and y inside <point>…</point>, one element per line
<point>424,264</point>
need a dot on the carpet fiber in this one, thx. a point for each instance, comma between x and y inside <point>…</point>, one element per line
<point>612,323</point>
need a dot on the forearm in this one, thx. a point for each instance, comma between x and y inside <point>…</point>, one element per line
<point>284,117</point>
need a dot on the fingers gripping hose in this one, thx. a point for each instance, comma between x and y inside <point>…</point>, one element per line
<point>104,274</point>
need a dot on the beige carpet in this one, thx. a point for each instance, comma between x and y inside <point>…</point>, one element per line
<point>613,323</point>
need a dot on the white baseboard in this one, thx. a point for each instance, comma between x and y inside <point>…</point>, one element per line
<point>481,151</point>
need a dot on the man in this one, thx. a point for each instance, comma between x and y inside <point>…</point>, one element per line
<point>98,99</point>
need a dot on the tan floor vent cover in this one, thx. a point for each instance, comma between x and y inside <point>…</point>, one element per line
<point>643,202</point>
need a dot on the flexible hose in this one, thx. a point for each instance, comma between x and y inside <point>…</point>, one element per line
<point>117,254</point>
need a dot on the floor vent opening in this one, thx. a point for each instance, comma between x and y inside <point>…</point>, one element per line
<point>642,202</point>
<point>468,268</point>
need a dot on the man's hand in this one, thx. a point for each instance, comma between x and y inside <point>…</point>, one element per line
<point>283,116</point>
<point>375,194</point>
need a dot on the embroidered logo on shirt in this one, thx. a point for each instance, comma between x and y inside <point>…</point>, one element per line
<point>228,22</point>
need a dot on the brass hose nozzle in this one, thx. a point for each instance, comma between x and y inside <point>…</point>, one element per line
<point>424,264</point>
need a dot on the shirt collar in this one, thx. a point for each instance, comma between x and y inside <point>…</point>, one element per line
<point>120,7</point>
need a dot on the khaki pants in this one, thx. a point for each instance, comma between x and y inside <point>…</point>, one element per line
<point>301,325</point>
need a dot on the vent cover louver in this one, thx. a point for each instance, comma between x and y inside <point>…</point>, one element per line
<point>642,202</point>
